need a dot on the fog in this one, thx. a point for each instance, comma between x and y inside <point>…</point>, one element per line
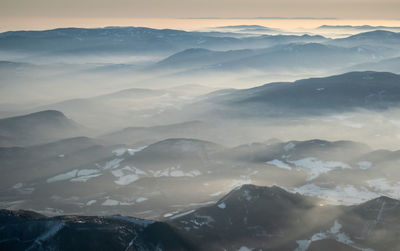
<point>170,125</point>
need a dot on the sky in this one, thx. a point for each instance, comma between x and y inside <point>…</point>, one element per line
<point>31,13</point>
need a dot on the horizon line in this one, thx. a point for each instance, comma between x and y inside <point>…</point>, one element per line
<point>267,18</point>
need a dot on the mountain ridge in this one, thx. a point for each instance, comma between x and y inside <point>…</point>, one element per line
<point>252,207</point>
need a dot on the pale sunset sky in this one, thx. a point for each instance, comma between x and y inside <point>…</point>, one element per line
<point>192,14</point>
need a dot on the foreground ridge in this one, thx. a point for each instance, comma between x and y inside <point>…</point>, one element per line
<point>267,218</point>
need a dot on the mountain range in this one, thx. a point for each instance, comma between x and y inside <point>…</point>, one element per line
<point>315,96</point>
<point>249,217</point>
<point>237,137</point>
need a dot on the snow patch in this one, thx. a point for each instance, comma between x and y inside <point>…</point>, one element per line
<point>127,179</point>
<point>133,151</point>
<point>289,146</point>
<point>64,176</point>
<point>119,152</point>
<point>175,172</point>
<point>76,175</point>
<point>85,172</point>
<point>85,178</point>
<point>134,170</point>
<point>333,234</point>
<point>141,199</point>
<point>279,164</point>
<point>222,205</point>
<point>392,189</point>
<point>315,167</point>
<point>127,175</point>
<point>181,214</point>
<point>336,227</point>
<point>110,202</point>
<point>167,215</point>
<point>197,204</point>
<point>112,164</point>
<point>90,202</point>
<point>53,227</point>
<point>347,195</point>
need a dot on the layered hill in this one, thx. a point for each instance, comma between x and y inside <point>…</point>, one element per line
<point>36,128</point>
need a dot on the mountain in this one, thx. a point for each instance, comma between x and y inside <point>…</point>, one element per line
<point>315,96</point>
<point>358,27</point>
<point>24,230</point>
<point>109,111</point>
<point>300,56</point>
<point>197,57</point>
<point>379,34</point>
<point>83,174</point>
<point>27,164</point>
<point>87,176</point>
<point>294,150</point>
<point>249,217</point>
<point>270,218</point>
<point>106,101</point>
<point>292,56</point>
<point>252,217</point>
<point>131,40</point>
<point>36,128</point>
<point>183,152</point>
<point>246,28</point>
<point>102,40</point>
<point>376,38</point>
<point>134,106</point>
<point>374,223</point>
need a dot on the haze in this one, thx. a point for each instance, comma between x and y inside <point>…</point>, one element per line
<point>199,125</point>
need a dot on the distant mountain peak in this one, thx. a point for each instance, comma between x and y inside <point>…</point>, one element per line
<point>252,193</point>
<point>379,34</point>
<point>182,144</point>
<point>37,128</point>
<point>380,202</point>
<point>46,113</point>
